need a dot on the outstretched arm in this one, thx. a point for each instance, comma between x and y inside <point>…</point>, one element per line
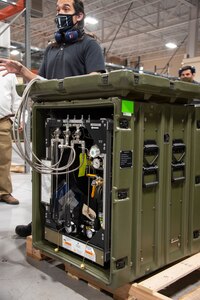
<point>13,66</point>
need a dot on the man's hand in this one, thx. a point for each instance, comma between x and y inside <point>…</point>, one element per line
<point>13,66</point>
<point>10,66</point>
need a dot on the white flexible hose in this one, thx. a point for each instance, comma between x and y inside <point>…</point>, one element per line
<point>38,165</point>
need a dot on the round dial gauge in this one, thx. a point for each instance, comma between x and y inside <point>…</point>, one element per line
<point>96,163</point>
<point>94,151</point>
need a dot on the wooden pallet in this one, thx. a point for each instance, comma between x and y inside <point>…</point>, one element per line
<point>147,289</point>
<point>17,168</point>
<point>31,251</point>
<point>121,293</point>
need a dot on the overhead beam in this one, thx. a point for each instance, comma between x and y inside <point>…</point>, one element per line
<point>159,30</point>
<point>187,3</point>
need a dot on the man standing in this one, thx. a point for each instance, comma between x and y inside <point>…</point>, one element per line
<point>9,102</point>
<point>73,53</point>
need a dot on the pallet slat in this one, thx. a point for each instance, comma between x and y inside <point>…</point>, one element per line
<point>138,292</point>
<point>148,289</point>
<point>31,251</point>
<point>172,274</point>
<point>17,168</point>
<point>193,295</point>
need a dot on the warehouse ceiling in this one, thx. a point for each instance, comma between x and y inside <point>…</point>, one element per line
<point>131,30</point>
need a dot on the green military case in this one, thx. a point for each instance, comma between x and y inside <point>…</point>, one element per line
<point>194,203</point>
<point>151,174</point>
<point>122,83</point>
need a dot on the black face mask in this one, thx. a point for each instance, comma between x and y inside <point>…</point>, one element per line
<point>64,22</point>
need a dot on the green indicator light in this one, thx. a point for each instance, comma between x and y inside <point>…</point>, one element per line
<point>128,107</point>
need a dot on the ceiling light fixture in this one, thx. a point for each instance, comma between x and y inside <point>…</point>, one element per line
<point>14,52</point>
<point>91,20</point>
<point>171,45</point>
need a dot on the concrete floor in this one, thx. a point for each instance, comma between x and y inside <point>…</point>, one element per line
<point>21,277</point>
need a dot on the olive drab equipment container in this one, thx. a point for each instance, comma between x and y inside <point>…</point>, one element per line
<point>122,197</point>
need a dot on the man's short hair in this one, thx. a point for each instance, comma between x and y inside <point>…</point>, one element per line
<point>191,68</point>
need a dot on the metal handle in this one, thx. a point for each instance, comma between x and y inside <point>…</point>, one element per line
<point>178,146</point>
<point>151,170</point>
<point>178,167</point>
<point>151,149</point>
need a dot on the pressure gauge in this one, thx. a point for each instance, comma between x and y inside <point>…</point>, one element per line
<point>96,163</point>
<point>68,229</point>
<point>90,233</point>
<point>94,151</point>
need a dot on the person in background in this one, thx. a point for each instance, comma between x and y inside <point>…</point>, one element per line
<point>187,74</point>
<point>9,102</point>
<point>73,53</point>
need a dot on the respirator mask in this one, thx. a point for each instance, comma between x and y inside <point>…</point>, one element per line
<point>64,22</point>
<point>67,31</point>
